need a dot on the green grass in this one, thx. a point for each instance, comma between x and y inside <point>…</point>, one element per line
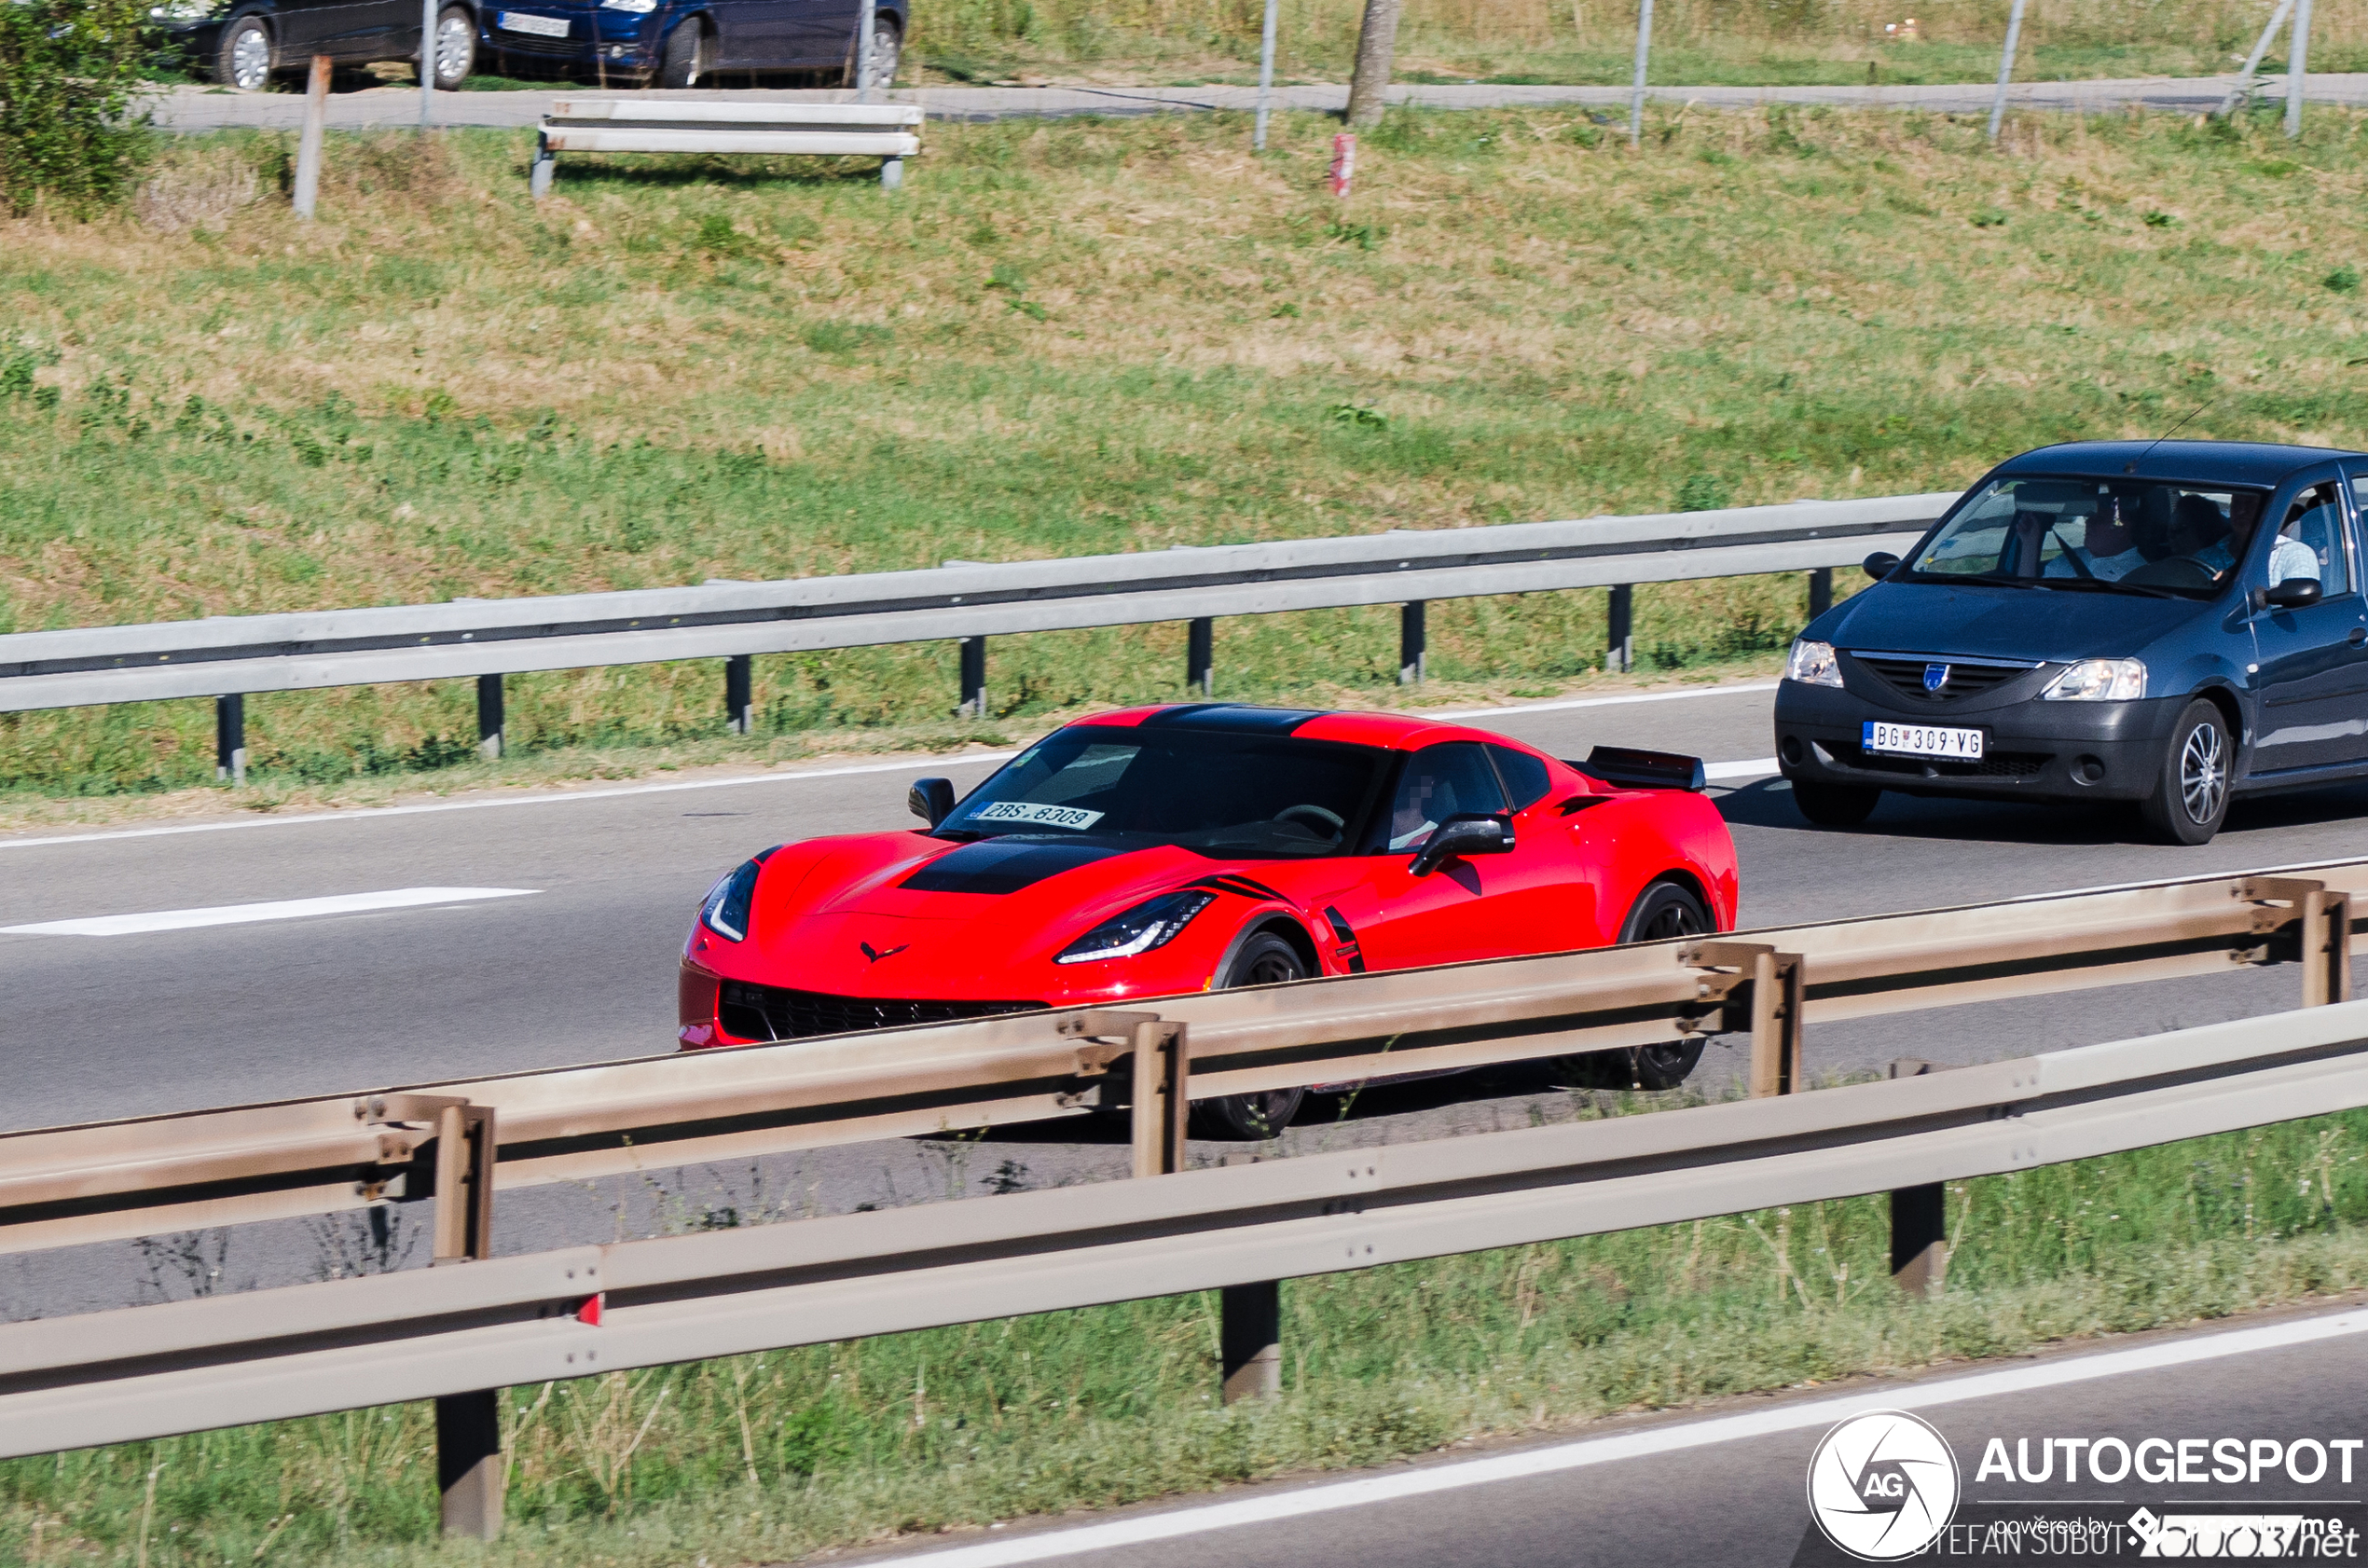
<point>772,1456</point>
<point>683,369</point>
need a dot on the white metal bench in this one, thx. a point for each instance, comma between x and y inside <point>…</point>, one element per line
<point>890,132</point>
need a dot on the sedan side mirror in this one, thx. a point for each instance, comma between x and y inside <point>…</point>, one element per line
<point>931,800</point>
<point>1879,565</point>
<point>2296,592</point>
<point>1463,834</point>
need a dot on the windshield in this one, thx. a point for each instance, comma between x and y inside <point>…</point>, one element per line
<point>2133,534</point>
<point>1219,792</point>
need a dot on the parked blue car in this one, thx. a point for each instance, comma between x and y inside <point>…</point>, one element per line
<point>621,43</point>
<point>2171,624</point>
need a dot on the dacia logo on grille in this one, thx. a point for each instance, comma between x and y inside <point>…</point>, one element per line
<point>1935,677</point>
<point>877,953</point>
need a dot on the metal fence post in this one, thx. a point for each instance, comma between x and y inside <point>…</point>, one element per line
<point>427,65</point>
<point>973,703</point>
<point>1161,1071</point>
<point>2245,79</point>
<point>866,20</point>
<point>1199,677</point>
<point>490,717</point>
<point>1643,53</point>
<point>1920,1239</point>
<point>230,738</point>
<point>2297,67</point>
<point>1250,1339</point>
<point>1821,591</point>
<point>316,119</point>
<point>2005,67</point>
<point>739,675</point>
<point>1413,642</point>
<point>1265,76</point>
<point>1619,615</point>
<point>470,1471</point>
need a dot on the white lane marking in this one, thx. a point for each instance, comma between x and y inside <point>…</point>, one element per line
<point>562,797</point>
<point>1758,767</point>
<point>1398,1484</point>
<point>243,913</point>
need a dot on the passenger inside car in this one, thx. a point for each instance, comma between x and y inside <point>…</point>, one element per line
<point>2307,545</point>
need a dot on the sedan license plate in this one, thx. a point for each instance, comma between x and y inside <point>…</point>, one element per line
<point>1922,740</point>
<point>541,27</point>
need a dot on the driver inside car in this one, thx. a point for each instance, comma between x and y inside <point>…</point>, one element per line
<point>2108,548</point>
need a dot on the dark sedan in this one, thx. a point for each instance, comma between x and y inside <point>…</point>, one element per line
<point>2169,624</point>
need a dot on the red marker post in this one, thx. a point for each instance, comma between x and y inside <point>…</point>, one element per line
<point>1344,163</point>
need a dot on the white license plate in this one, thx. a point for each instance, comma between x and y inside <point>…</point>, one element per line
<point>541,27</point>
<point>1922,740</point>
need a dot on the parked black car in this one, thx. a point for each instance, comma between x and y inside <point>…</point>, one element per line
<point>666,43</point>
<point>2169,624</point>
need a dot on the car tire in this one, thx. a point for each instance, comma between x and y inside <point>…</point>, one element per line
<point>1834,806</point>
<point>456,48</point>
<point>2190,797</point>
<point>1265,960</point>
<point>685,57</point>
<point>1662,910</point>
<point>888,49</point>
<point>242,60</point>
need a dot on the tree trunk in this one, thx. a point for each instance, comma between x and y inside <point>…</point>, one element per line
<point>1376,44</point>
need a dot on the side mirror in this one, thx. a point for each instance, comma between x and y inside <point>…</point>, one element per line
<point>2296,592</point>
<point>1879,565</point>
<point>1460,836</point>
<point>931,800</point>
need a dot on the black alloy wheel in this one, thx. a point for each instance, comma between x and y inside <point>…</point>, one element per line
<point>1265,960</point>
<point>1834,806</point>
<point>2189,798</point>
<point>1663,911</point>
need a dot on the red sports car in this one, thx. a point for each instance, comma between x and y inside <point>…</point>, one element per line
<point>1170,850</point>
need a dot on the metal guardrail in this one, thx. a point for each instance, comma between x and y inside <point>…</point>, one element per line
<point>142,1176</point>
<point>229,657</point>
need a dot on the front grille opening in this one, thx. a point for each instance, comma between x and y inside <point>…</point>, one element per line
<point>776,1012</point>
<point>1998,765</point>
<point>1907,677</point>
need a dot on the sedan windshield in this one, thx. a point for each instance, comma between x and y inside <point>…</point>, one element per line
<point>1224,794</point>
<point>2119,534</point>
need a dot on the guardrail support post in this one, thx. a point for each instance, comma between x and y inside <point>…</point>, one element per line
<point>1920,1239</point>
<point>973,703</point>
<point>316,119</point>
<point>470,1470</point>
<point>1413,642</point>
<point>1821,591</point>
<point>739,672</point>
<point>1162,1072</point>
<point>1620,652</point>
<point>490,717</point>
<point>2326,948</point>
<point>538,179</point>
<point>1199,678</point>
<point>1250,1339</point>
<point>1776,995</point>
<point>230,738</point>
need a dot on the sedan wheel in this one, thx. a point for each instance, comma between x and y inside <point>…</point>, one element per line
<point>1665,910</point>
<point>1265,960</point>
<point>244,58</point>
<point>456,49</point>
<point>2189,798</point>
<point>887,49</point>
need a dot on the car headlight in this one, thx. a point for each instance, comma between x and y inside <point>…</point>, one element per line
<point>639,8</point>
<point>185,10</point>
<point>1149,925</point>
<point>2099,680</point>
<point>1812,664</point>
<point>727,910</point>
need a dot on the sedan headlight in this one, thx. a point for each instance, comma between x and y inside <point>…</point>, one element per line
<point>1149,925</point>
<point>639,8</point>
<point>727,910</point>
<point>2099,680</point>
<point>1812,664</point>
<point>185,10</point>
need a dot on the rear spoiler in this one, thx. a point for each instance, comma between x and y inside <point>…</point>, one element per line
<point>1643,770</point>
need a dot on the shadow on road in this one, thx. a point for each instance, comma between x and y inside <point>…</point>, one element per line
<point>1769,804</point>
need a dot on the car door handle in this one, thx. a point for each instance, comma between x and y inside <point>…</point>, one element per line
<point>2357,636</point>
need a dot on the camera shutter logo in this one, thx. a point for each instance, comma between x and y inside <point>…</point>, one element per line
<point>1882,1486</point>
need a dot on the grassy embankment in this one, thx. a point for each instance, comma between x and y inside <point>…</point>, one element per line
<point>769,1457</point>
<point>1695,41</point>
<point>1085,336</point>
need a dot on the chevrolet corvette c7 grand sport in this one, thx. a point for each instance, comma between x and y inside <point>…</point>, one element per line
<point>1171,849</point>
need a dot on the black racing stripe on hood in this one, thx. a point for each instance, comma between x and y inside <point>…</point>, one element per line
<point>996,866</point>
<point>1235,718</point>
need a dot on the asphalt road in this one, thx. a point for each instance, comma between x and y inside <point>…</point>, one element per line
<point>1727,1484</point>
<point>576,963</point>
<point>201,108</point>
